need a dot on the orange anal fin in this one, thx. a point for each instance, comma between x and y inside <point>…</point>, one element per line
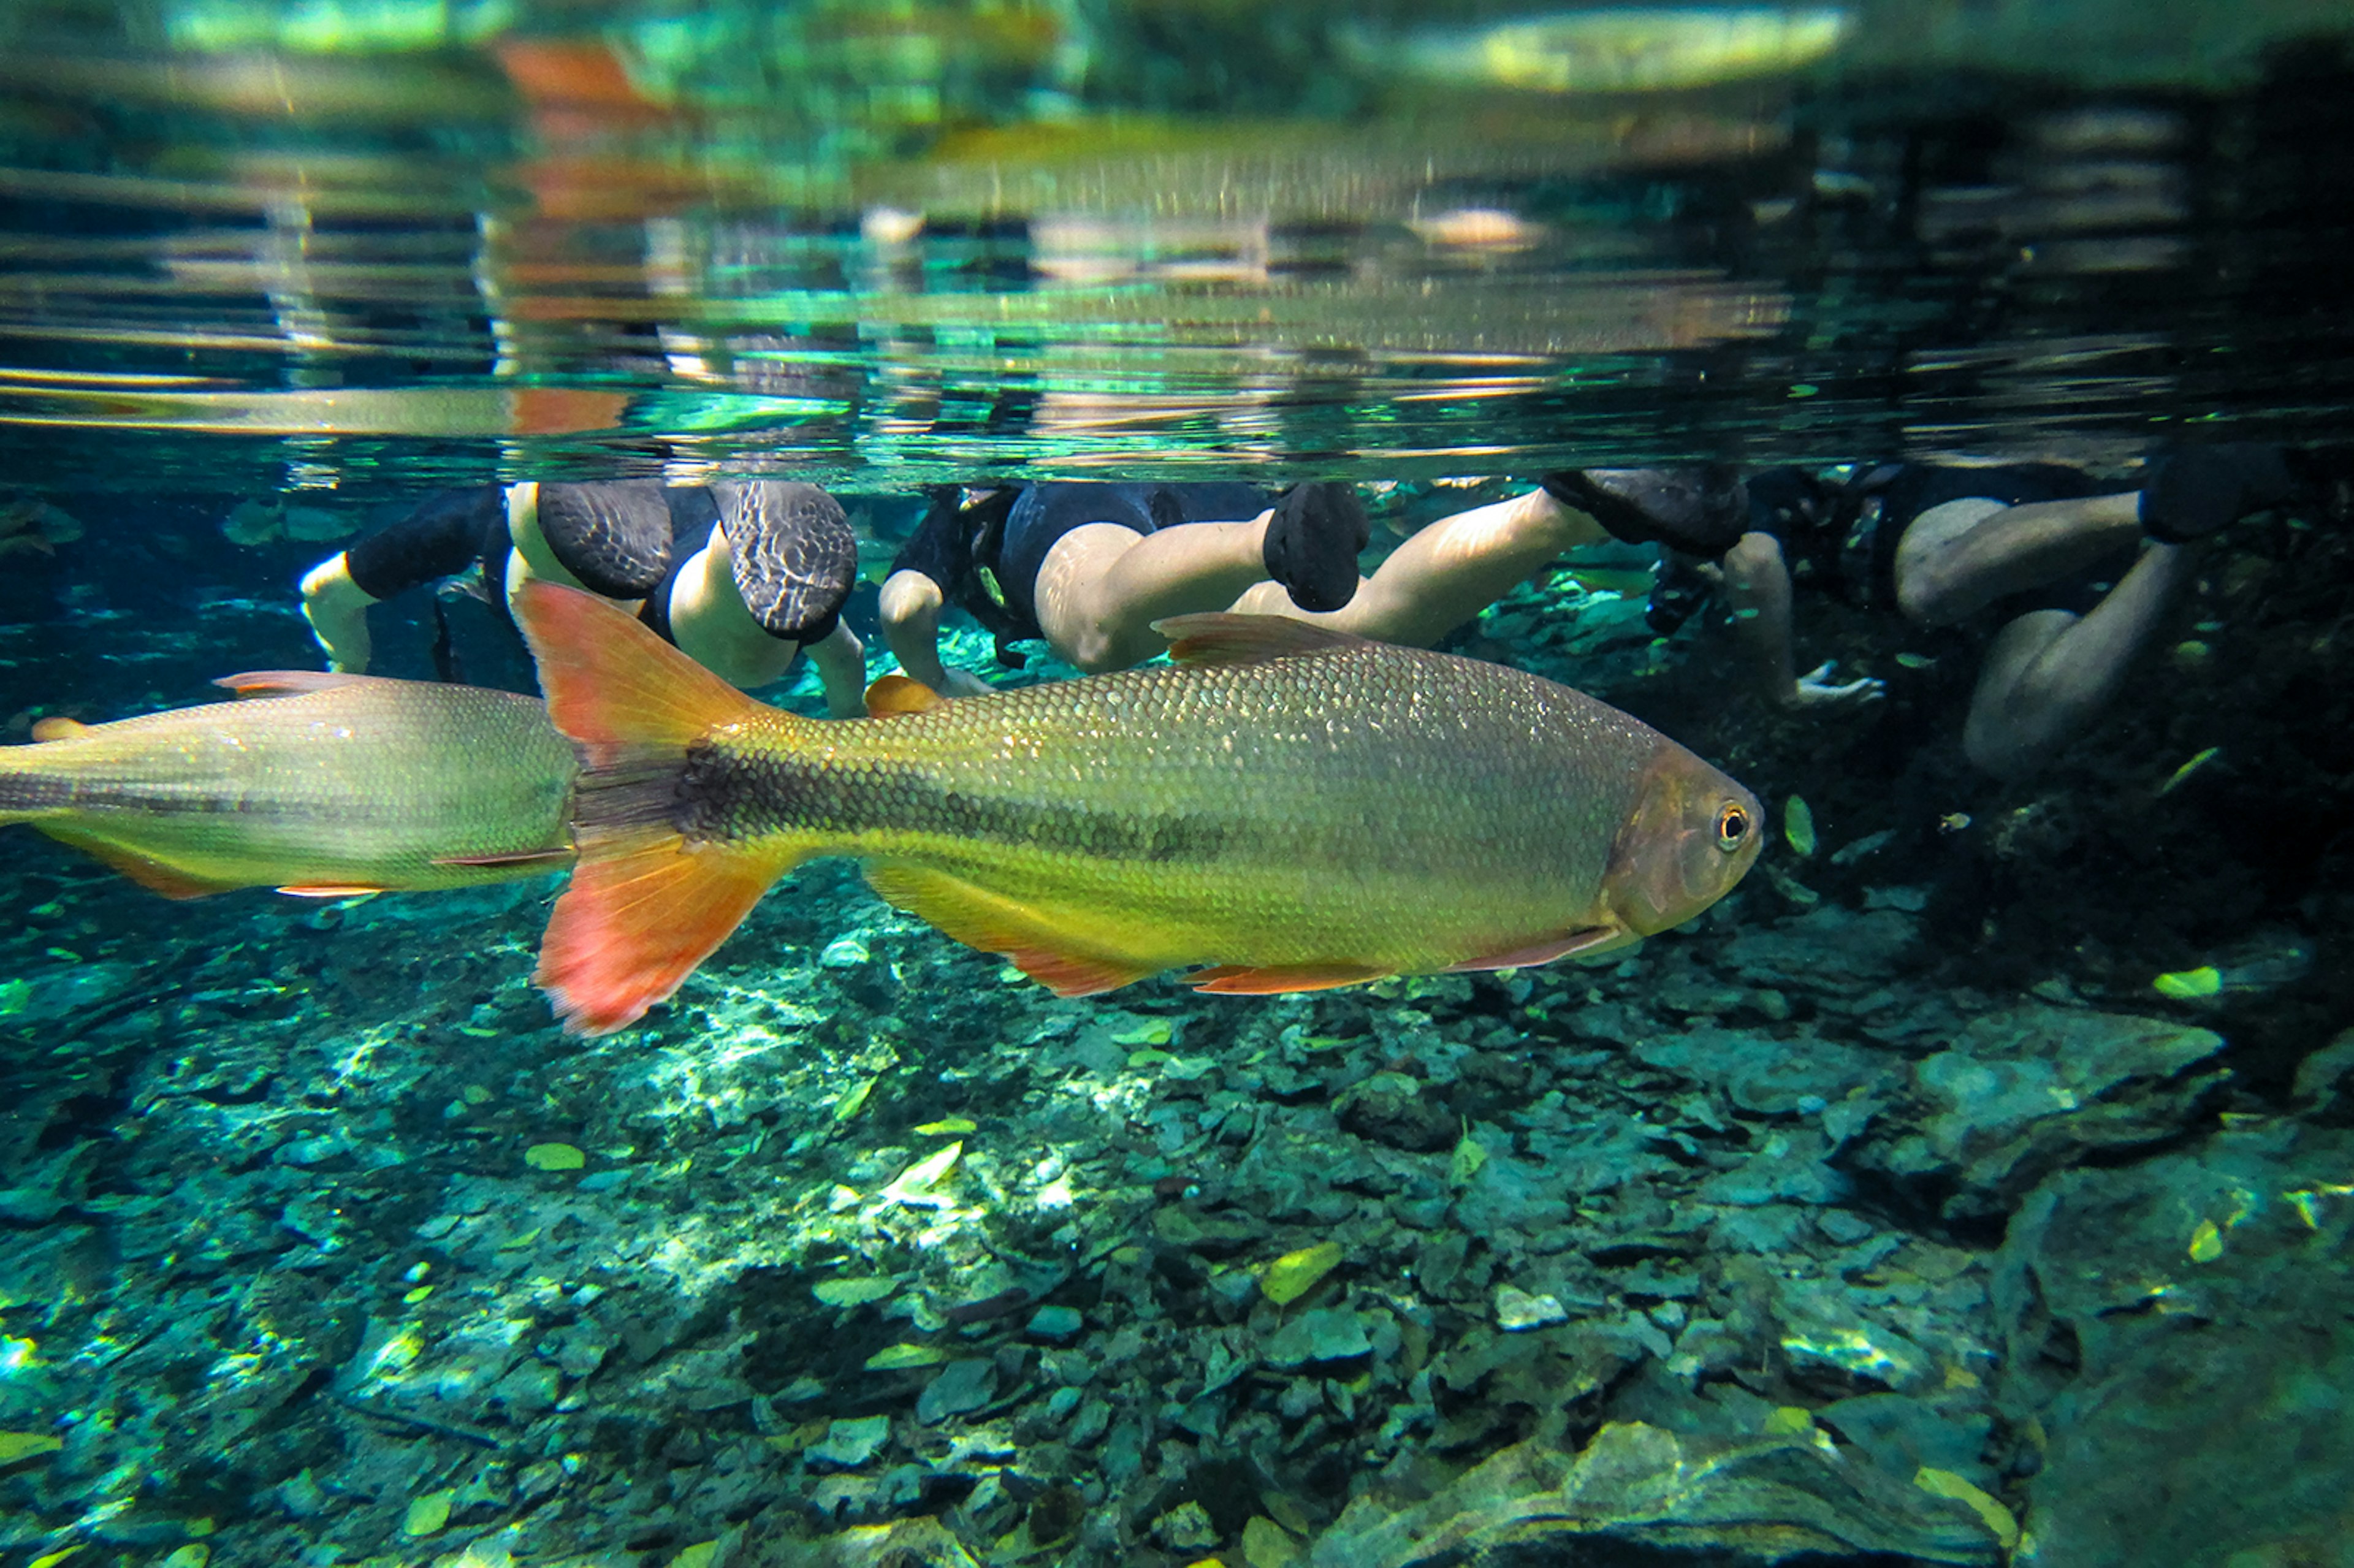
<point>640,912</point>
<point>1218,638</point>
<point>284,683</point>
<point>1544,952</point>
<point>1032,942</point>
<point>58,727</point>
<point>520,861</point>
<point>893,695</point>
<point>331,890</point>
<point>151,875</point>
<point>1238,980</point>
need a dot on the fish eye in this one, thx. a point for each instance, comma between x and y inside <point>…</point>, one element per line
<point>1732,826</point>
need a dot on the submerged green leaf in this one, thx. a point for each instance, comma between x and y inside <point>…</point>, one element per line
<point>1294,1273</point>
<point>1798,825</point>
<point>914,1185</point>
<point>2190,985</point>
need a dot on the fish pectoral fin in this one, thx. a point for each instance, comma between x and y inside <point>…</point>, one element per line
<point>58,727</point>
<point>1240,980</point>
<point>152,874</point>
<point>284,683</point>
<point>520,860</point>
<point>1593,939</point>
<point>332,890</point>
<point>642,909</point>
<point>893,695</point>
<point>1222,639</point>
<point>1032,942</point>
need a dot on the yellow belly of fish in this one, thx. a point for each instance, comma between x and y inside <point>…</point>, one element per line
<point>1132,919</point>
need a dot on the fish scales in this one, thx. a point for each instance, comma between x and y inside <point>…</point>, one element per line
<point>1182,788</point>
<point>1293,807</point>
<point>349,781</point>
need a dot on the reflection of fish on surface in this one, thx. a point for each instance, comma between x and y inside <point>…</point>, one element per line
<point>1295,807</point>
<point>321,784</point>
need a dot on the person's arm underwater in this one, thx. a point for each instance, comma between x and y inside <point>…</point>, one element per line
<point>1757,591</point>
<point>910,606</point>
<point>840,661</point>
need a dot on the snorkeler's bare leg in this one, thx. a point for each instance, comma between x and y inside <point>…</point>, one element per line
<point>910,607</point>
<point>1103,585</point>
<point>711,625</point>
<point>337,610</point>
<point>2049,672</point>
<point>1958,558</point>
<point>840,661</point>
<point>1446,573</point>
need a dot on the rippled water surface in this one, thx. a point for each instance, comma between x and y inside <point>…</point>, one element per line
<point>348,245</point>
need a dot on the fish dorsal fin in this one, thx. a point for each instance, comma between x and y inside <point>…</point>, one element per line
<point>58,727</point>
<point>892,696</point>
<point>284,683</point>
<point>1222,639</point>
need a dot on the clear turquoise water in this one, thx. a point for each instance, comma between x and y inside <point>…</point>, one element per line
<point>1899,1204</point>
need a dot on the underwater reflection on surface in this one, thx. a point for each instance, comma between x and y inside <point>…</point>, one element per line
<point>1028,237</point>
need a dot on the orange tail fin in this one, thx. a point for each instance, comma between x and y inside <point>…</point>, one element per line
<point>647,901</point>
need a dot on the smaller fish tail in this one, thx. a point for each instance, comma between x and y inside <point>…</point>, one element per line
<point>647,901</point>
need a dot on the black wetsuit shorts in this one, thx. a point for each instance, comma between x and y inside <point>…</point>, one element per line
<point>986,556</point>
<point>447,532</point>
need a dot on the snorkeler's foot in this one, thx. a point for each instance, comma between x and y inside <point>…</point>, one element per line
<point>1313,543</point>
<point>793,553</point>
<point>2194,492</point>
<point>614,536</point>
<point>1701,509</point>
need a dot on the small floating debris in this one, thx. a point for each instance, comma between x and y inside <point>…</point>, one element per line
<point>554,1157</point>
<point>850,1103</point>
<point>914,1185</point>
<point>1946,1484</point>
<point>2189,985</point>
<point>854,1292</point>
<point>1954,822</point>
<point>1798,825</point>
<point>1465,1163</point>
<point>17,1446</point>
<point>2187,769</point>
<point>1790,887</point>
<point>1294,1273</point>
<point>949,1127</point>
<point>1914,661</point>
<point>900,1357</point>
<point>2206,1241</point>
<point>427,1515</point>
